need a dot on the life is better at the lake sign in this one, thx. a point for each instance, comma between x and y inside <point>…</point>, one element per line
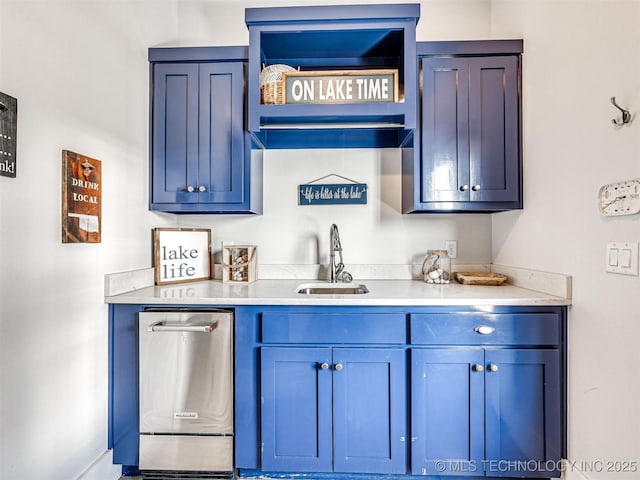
<point>315,193</point>
<point>344,86</point>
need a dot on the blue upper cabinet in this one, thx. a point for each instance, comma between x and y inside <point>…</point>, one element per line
<point>201,160</point>
<point>345,38</point>
<point>467,155</point>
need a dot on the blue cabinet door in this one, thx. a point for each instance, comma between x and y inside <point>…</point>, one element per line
<point>341,411</point>
<point>174,161</point>
<point>523,413</point>
<point>369,410</point>
<point>296,409</point>
<point>445,130</point>
<point>221,140</point>
<point>494,146</point>
<point>447,415</point>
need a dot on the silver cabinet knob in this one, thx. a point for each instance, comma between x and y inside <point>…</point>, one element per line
<point>338,367</point>
<point>202,188</point>
<point>190,189</point>
<point>464,188</point>
<point>324,366</point>
<point>492,367</point>
<point>484,329</point>
<point>475,188</point>
<point>478,368</point>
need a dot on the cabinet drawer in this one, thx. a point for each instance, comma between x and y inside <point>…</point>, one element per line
<point>284,327</point>
<point>485,329</point>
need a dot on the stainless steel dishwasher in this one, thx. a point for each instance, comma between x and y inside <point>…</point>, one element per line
<point>186,390</point>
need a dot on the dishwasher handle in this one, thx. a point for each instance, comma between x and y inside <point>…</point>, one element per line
<point>163,326</point>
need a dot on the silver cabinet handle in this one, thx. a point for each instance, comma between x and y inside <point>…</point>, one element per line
<point>493,367</point>
<point>478,368</point>
<point>475,188</point>
<point>338,367</point>
<point>464,188</point>
<point>484,330</point>
<point>190,189</point>
<point>202,188</point>
<point>324,366</point>
<point>162,326</point>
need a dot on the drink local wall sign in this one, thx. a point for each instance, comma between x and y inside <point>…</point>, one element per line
<point>345,86</point>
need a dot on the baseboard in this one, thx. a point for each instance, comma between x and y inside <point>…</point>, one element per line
<point>102,469</point>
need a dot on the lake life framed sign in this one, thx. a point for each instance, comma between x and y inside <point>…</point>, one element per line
<point>344,86</point>
<point>81,198</point>
<point>313,193</point>
<point>181,255</point>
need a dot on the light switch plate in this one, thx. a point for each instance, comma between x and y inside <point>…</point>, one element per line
<point>622,257</point>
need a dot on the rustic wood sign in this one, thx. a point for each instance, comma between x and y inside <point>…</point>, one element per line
<point>81,198</point>
<point>181,255</point>
<point>332,194</point>
<point>8,131</point>
<point>345,86</point>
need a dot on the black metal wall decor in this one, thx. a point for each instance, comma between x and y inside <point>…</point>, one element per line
<point>8,128</point>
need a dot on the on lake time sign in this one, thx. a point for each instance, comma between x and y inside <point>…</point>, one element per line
<point>344,86</point>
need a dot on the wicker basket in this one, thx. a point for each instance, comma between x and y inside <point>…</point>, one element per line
<point>271,85</point>
<point>272,92</point>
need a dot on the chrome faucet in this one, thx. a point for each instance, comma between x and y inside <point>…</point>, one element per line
<point>337,273</point>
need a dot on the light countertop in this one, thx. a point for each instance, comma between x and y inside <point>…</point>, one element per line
<point>381,293</point>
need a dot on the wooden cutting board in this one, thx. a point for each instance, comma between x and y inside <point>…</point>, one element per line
<point>479,278</point>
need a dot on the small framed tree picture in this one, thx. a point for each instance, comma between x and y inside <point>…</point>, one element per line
<point>181,255</point>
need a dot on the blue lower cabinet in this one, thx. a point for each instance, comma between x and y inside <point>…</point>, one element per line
<point>333,410</point>
<point>296,409</point>
<point>523,413</point>
<point>447,413</point>
<point>123,385</point>
<point>369,410</point>
<point>486,412</point>
<point>327,393</point>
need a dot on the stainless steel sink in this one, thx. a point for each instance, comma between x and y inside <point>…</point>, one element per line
<point>332,289</point>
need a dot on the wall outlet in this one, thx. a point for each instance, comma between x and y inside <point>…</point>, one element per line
<point>452,248</point>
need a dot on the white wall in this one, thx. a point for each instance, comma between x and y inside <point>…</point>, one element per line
<point>79,71</point>
<point>577,55</point>
<point>375,233</point>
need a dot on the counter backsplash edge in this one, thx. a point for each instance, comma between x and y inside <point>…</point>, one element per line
<point>550,283</point>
